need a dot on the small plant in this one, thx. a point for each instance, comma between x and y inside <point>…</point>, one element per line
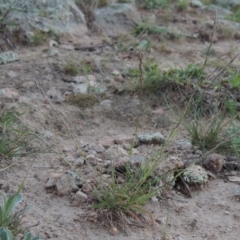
<point>155,79</point>
<point>147,28</point>
<point>29,236</point>
<point>182,4</point>
<point>82,100</point>
<point>235,16</point>
<point>10,220</point>
<point>234,80</point>
<point>127,198</point>
<point>152,4</point>
<point>39,37</point>
<point>14,138</point>
<point>216,133</point>
<point>71,69</point>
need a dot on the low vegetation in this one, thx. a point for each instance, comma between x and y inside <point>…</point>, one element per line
<point>10,218</point>
<point>15,139</point>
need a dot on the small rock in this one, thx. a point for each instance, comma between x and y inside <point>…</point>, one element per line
<point>116,72</point>
<point>69,158</point>
<point>106,104</point>
<point>116,18</point>
<point>78,162</point>
<point>136,159</point>
<point>183,144</point>
<point>91,158</point>
<point>196,3</point>
<point>67,47</point>
<point>123,138</point>
<point>154,199</point>
<point>9,93</point>
<point>178,238</point>
<point>98,148</point>
<point>66,184</point>
<point>55,95</point>
<point>107,141</point>
<point>115,152</point>
<point>51,182</point>
<point>91,80</point>
<point>79,198</point>
<point>214,162</point>
<point>80,88</point>
<point>7,57</point>
<point>113,231</point>
<point>47,134</point>
<point>53,43</point>
<point>86,188</point>
<point>53,52</point>
<point>12,74</point>
<point>151,138</point>
<point>171,164</point>
<point>107,163</point>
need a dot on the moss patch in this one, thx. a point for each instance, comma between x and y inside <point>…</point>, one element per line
<point>82,100</point>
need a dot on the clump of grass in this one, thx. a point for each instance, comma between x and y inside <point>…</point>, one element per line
<point>121,200</point>
<point>153,4</point>
<point>82,100</point>
<point>148,29</point>
<point>235,16</point>
<point>14,138</point>
<point>71,69</point>
<point>155,80</point>
<point>216,133</point>
<point>39,37</point>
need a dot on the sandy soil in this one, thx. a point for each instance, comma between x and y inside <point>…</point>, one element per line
<point>212,214</point>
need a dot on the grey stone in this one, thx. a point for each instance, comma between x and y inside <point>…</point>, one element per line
<point>66,184</point>
<point>80,88</point>
<point>196,3</point>
<point>47,134</point>
<point>136,159</point>
<point>12,74</point>
<point>79,198</point>
<point>92,147</point>
<point>227,3</point>
<point>9,93</point>
<point>183,144</point>
<point>151,138</point>
<point>78,162</point>
<point>115,152</point>
<point>7,57</point>
<point>116,18</point>
<point>62,16</point>
<point>51,182</point>
<point>53,52</point>
<point>69,158</point>
<point>106,104</point>
<point>221,12</point>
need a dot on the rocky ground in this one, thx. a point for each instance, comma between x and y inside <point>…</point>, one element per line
<point>93,113</point>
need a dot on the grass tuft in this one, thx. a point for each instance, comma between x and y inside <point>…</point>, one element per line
<point>14,138</point>
<point>216,133</point>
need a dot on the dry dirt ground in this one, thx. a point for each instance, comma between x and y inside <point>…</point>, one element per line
<point>212,213</point>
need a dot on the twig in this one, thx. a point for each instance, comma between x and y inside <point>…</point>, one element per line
<point>211,42</point>
<point>223,70</point>
<point>186,186</point>
<point>60,117</point>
